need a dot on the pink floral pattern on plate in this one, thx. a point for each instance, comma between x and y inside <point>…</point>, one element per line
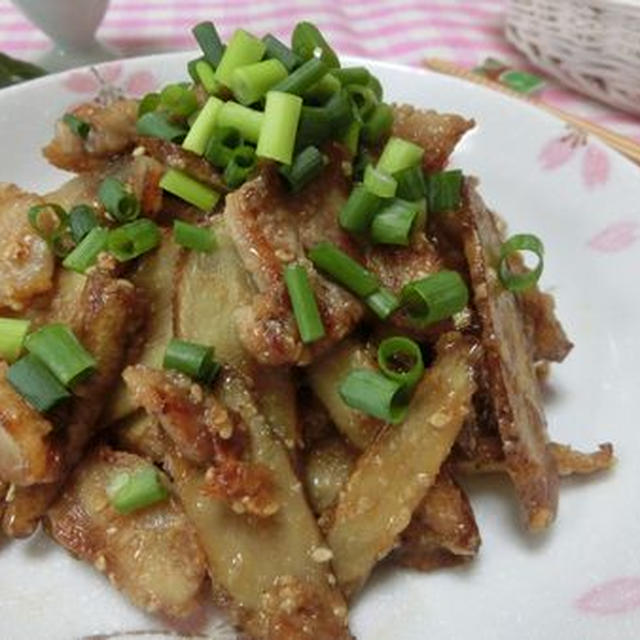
<point>616,596</point>
<point>595,164</point>
<point>616,237</point>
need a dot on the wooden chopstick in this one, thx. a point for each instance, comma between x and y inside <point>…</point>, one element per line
<point>621,143</point>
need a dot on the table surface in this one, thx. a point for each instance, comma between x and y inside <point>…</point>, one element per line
<point>405,31</point>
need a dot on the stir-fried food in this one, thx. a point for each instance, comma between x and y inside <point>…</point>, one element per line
<point>258,337</point>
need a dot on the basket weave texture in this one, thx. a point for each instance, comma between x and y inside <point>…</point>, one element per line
<point>590,45</point>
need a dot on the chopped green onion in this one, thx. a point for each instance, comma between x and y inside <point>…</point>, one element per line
<point>62,243</point>
<point>251,82</point>
<point>435,297</point>
<point>118,200</point>
<point>359,209</point>
<point>133,239</point>
<point>192,237</point>
<point>150,102</point>
<point>393,224</point>
<point>206,75</point>
<point>303,77</point>
<point>78,127</point>
<point>132,492</point>
<point>209,40</point>
<point>30,377</point>
<point>374,394</point>
<point>178,101</point>
<point>306,38</point>
<point>307,165</point>
<point>362,160</point>
<point>278,134</point>
<point>191,68</point>
<point>243,162</point>
<point>352,75</point>
<point>82,218</point>
<point>343,268</point>
<point>351,137</point>
<point>222,145</point>
<point>46,226</point>
<point>444,191</point>
<point>383,303</point>
<point>59,349</point>
<point>203,127</point>
<point>193,359</point>
<point>157,125</point>
<point>520,281</point>
<point>375,86</point>
<point>86,252</point>
<point>12,334</point>
<point>189,189</point>
<point>364,101</point>
<point>322,90</point>
<point>400,359</point>
<point>243,49</point>
<point>379,182</point>
<point>399,154</point>
<point>411,185</point>
<point>318,124</point>
<point>305,308</point>
<point>277,50</point>
<point>247,121</point>
<point>378,124</point>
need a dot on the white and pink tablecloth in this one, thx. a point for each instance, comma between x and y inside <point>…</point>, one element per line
<point>462,31</point>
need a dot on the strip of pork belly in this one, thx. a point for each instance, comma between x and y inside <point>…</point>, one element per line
<point>513,384</point>
<point>153,555</point>
<point>437,133</point>
<point>113,132</point>
<point>272,228</point>
<point>107,317</point>
<point>26,262</point>
<point>394,474</point>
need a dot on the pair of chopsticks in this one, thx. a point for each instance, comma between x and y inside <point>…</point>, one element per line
<point>621,143</point>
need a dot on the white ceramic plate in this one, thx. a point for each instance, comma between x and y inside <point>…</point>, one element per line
<point>579,582</point>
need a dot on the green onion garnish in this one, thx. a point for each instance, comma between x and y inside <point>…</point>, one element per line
<point>306,38</point>
<point>318,124</point>
<point>379,182</point>
<point>411,185</point>
<point>209,40</point>
<point>393,224</point>
<point>444,191</point>
<point>243,49</point>
<point>378,124</point>
<point>131,492</point>
<point>118,200</point>
<point>352,75</point>
<point>192,237</point>
<point>203,127</point>
<point>399,154</point>
<point>86,252</point>
<point>364,101</point>
<point>307,165</point>
<point>150,102</point>
<point>30,377</point>
<point>374,394</point>
<point>304,77</point>
<point>240,167</point>
<point>12,334</point>
<point>178,101</point>
<point>358,211</point>
<point>251,82</point>
<point>278,134</point>
<point>400,359</point>
<point>375,85</point>
<point>189,189</point>
<point>435,297</point>
<point>383,303</point>
<point>305,308</point>
<point>279,51</point>
<point>193,359</point>
<point>520,242</point>
<point>222,145</point>
<point>322,90</point>
<point>156,125</point>
<point>59,349</point>
<point>46,225</point>
<point>351,137</point>
<point>247,121</point>
<point>61,242</point>
<point>82,218</point>
<point>132,240</point>
<point>206,76</point>
<point>77,126</point>
<point>343,268</point>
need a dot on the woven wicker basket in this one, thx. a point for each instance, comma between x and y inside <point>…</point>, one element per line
<point>591,45</point>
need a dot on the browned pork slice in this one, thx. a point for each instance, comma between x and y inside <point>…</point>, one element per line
<point>272,228</point>
<point>26,262</point>
<point>107,317</point>
<point>437,133</point>
<point>396,471</point>
<point>112,132</point>
<point>152,555</point>
<point>513,385</point>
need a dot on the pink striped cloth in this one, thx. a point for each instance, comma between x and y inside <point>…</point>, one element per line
<point>462,31</point>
